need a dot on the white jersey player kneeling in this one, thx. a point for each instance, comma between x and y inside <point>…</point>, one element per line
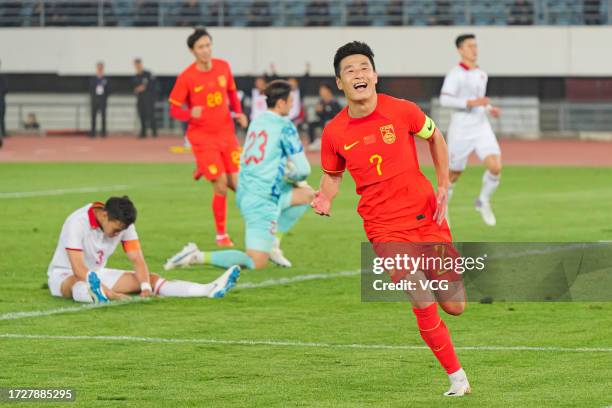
<point>89,237</point>
<point>464,89</point>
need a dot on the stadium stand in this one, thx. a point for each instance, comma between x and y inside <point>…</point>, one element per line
<point>262,13</point>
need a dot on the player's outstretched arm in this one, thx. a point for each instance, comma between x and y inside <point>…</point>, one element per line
<point>77,262</point>
<point>329,187</point>
<point>298,167</point>
<point>141,270</point>
<point>439,154</point>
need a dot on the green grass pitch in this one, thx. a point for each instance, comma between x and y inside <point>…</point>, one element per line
<point>314,319</point>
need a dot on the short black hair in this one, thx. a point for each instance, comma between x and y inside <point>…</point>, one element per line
<point>459,40</point>
<point>326,86</point>
<point>198,33</point>
<point>352,48</point>
<point>276,90</point>
<point>121,209</point>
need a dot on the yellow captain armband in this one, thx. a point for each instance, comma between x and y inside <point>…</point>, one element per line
<point>428,129</point>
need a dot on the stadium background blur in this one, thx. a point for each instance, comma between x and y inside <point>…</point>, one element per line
<point>546,59</point>
<point>299,336</point>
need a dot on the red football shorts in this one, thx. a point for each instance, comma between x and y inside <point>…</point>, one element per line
<point>426,241</point>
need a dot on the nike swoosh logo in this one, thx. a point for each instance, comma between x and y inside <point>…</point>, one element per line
<point>348,147</point>
<point>198,89</point>
<point>430,125</point>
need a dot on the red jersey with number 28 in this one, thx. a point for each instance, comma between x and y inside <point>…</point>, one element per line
<point>213,90</point>
<point>380,153</point>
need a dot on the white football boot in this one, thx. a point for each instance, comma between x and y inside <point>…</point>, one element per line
<point>460,385</point>
<point>185,257</point>
<point>225,282</point>
<point>277,257</point>
<point>486,212</point>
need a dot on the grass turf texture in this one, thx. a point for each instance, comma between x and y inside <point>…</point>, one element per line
<point>533,204</point>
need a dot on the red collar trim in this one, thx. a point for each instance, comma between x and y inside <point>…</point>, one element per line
<point>464,66</point>
<point>92,217</point>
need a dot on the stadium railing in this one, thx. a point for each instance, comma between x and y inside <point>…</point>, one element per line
<point>522,117</point>
<point>258,13</point>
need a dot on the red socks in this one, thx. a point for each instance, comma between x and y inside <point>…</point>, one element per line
<point>436,336</point>
<point>219,210</point>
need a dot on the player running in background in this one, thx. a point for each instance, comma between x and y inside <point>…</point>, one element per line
<point>373,138</point>
<point>89,237</point>
<point>272,194</point>
<point>464,89</point>
<point>208,90</point>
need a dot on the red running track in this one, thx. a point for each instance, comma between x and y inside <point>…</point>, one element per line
<point>132,150</point>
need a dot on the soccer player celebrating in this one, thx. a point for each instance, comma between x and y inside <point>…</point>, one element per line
<point>89,237</point>
<point>207,89</point>
<point>464,89</point>
<point>373,138</point>
<point>272,194</point>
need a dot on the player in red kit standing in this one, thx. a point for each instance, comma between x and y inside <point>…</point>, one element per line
<point>208,90</point>
<point>373,137</point>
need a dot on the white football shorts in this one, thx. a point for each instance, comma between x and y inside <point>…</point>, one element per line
<point>461,144</point>
<point>57,275</point>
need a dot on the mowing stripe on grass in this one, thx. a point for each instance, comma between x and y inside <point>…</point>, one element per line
<point>246,285</point>
<point>286,343</point>
<point>46,193</point>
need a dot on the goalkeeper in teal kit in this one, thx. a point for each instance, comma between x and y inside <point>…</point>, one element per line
<point>272,194</point>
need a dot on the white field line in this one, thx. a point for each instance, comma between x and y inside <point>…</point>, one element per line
<point>283,343</point>
<point>69,309</point>
<point>262,284</point>
<point>241,286</point>
<point>47,193</point>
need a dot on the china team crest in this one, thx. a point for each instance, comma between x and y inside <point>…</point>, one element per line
<point>388,134</point>
<point>222,81</point>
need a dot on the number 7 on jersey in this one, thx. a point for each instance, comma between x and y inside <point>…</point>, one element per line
<point>378,159</point>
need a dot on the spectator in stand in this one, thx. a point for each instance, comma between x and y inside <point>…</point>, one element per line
<point>317,13</point>
<point>98,92</point>
<point>258,98</point>
<point>521,13</point>
<point>3,91</point>
<point>326,109</point>
<point>146,94</point>
<point>190,13</point>
<point>296,113</point>
<point>357,13</point>
<point>31,123</point>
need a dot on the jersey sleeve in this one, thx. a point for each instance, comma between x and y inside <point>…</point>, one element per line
<point>290,140</point>
<point>129,240</point>
<point>72,235</point>
<point>419,124</point>
<point>449,96</point>
<point>331,161</point>
<point>179,93</point>
<point>130,234</point>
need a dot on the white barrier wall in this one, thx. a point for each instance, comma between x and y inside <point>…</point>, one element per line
<point>409,51</point>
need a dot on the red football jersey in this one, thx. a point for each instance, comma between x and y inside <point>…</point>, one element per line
<point>211,90</point>
<point>380,153</point>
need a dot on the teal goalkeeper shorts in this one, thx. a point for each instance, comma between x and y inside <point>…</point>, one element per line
<point>261,217</point>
